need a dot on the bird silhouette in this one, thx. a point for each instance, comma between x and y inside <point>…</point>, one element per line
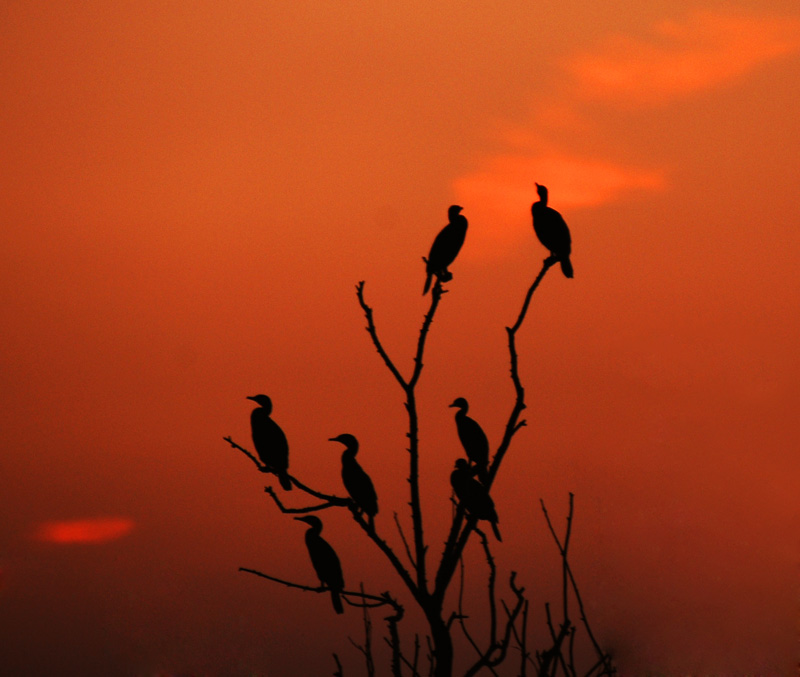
<point>324,560</point>
<point>356,481</point>
<point>269,440</point>
<point>473,439</point>
<point>445,247</point>
<point>473,495</point>
<point>552,231</point>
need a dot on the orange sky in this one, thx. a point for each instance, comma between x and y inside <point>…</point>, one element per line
<point>189,194</point>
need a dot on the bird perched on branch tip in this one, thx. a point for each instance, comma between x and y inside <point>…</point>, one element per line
<point>445,247</point>
<point>552,231</point>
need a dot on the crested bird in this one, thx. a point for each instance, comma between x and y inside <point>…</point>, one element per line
<point>473,495</point>
<point>473,439</point>
<point>552,231</point>
<point>356,481</point>
<point>324,560</point>
<point>269,440</point>
<point>445,247</point>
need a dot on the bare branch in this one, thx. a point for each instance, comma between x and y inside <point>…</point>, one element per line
<point>420,549</point>
<point>367,648</point>
<point>384,599</point>
<point>374,335</point>
<point>390,554</point>
<point>333,500</point>
<point>436,296</point>
<point>338,672</point>
<point>405,542</point>
<point>457,539</point>
<point>285,510</point>
<point>230,441</point>
<point>605,659</point>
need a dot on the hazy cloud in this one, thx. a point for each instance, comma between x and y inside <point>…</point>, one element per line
<point>501,193</point>
<point>701,51</point>
<point>96,530</point>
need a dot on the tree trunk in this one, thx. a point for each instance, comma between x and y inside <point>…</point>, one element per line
<point>442,644</point>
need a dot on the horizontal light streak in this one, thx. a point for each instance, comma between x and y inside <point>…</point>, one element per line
<point>94,530</point>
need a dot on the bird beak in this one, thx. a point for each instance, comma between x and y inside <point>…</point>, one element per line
<point>251,397</point>
<point>452,405</point>
<point>300,519</point>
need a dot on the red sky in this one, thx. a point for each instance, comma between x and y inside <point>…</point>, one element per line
<point>189,194</point>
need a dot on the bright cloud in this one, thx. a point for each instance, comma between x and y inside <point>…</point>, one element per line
<point>96,530</point>
<point>500,194</point>
<point>679,57</point>
<point>704,50</point>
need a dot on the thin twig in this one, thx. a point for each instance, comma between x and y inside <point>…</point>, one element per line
<point>311,508</point>
<point>338,672</point>
<point>413,424</point>
<point>381,600</point>
<point>405,542</point>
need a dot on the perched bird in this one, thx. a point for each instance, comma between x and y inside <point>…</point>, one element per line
<point>356,481</point>
<point>269,440</point>
<point>445,247</point>
<point>473,439</point>
<point>473,495</point>
<point>552,231</point>
<point>324,559</point>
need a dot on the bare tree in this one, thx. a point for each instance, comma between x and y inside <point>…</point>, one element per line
<point>428,579</point>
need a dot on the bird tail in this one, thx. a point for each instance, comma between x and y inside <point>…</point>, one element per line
<point>566,267</point>
<point>496,531</point>
<point>285,481</point>
<point>337,602</point>
<point>427,283</point>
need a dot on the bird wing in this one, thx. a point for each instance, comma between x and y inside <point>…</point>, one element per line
<point>325,561</point>
<point>473,439</point>
<point>269,440</point>
<point>359,486</point>
<point>446,246</point>
<point>552,230</point>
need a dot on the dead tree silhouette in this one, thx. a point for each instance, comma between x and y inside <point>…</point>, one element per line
<point>427,580</point>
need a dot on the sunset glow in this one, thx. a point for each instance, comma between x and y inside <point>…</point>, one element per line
<point>190,193</point>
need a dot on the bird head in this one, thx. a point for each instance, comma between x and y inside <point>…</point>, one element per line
<point>263,400</point>
<point>542,192</point>
<point>462,464</point>
<point>453,211</point>
<point>346,439</point>
<point>312,520</point>
<point>461,403</point>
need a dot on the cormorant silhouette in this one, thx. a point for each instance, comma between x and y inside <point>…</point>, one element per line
<point>356,481</point>
<point>473,439</point>
<point>445,247</point>
<point>269,440</point>
<point>552,231</point>
<point>324,559</point>
<point>473,495</point>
